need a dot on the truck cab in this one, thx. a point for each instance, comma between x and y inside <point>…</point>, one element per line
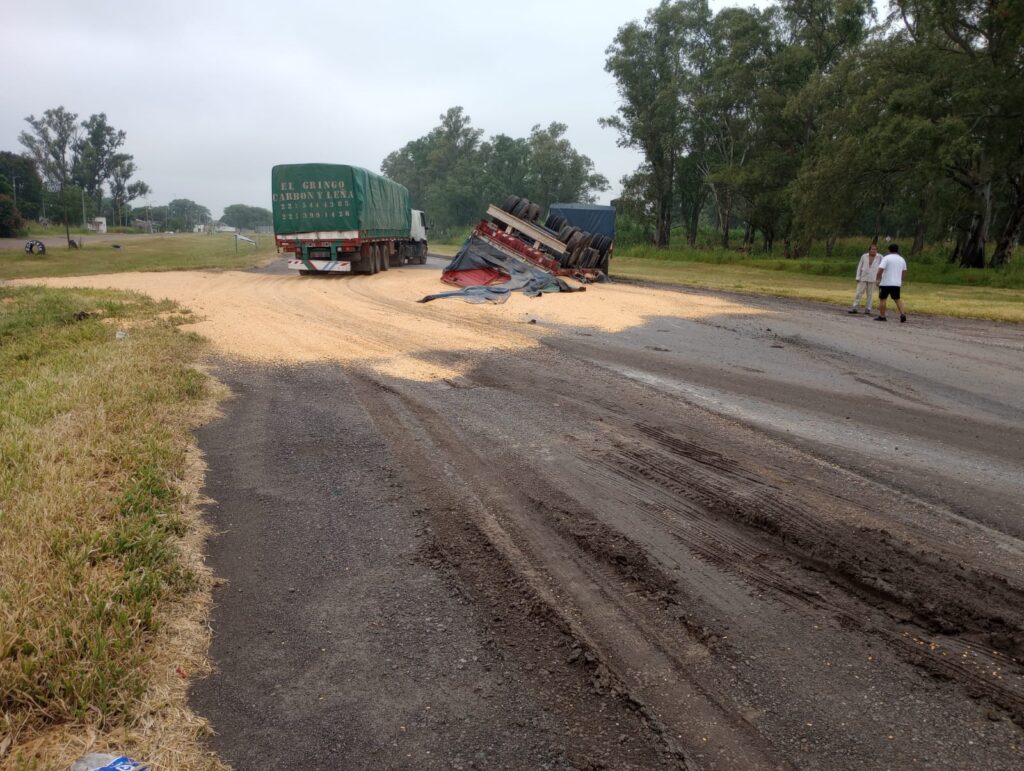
<point>418,231</point>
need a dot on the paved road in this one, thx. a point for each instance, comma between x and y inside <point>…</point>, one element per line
<point>629,527</point>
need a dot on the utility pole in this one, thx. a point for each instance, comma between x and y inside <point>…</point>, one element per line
<point>82,190</point>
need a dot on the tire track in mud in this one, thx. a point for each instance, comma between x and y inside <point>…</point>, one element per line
<point>594,581</point>
<point>927,609</point>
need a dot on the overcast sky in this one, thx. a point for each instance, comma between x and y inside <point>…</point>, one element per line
<point>213,94</point>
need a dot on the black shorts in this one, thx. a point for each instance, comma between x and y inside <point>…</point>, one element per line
<point>885,292</point>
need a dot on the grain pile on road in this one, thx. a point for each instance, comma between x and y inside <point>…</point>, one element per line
<point>374,321</point>
<point>781,536</point>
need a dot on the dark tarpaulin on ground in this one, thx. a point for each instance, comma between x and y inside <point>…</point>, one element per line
<point>481,268</point>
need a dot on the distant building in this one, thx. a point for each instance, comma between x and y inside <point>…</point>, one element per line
<point>98,225</point>
<point>220,227</point>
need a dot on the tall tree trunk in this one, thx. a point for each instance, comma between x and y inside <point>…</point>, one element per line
<point>878,223</point>
<point>748,237</point>
<point>830,244</point>
<point>726,216</point>
<point>663,229</point>
<point>921,228</point>
<point>67,220</point>
<point>1014,227</point>
<point>663,179</point>
<point>973,253</point>
<point>693,218</point>
<point>769,239</point>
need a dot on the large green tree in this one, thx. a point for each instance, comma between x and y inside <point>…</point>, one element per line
<point>26,185</point>
<point>244,217</point>
<point>453,173</point>
<point>185,214</point>
<point>558,172</point>
<point>650,61</point>
<point>51,144</point>
<point>95,156</point>
<point>978,46</point>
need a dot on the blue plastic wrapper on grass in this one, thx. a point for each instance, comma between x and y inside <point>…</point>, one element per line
<point>102,761</point>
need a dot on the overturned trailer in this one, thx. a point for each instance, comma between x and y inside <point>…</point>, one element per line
<point>511,250</point>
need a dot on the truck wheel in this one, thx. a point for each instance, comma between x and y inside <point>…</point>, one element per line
<point>555,223</point>
<point>510,203</point>
<point>533,212</point>
<point>520,208</point>
<point>574,240</point>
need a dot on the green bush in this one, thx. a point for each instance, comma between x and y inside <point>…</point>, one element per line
<point>11,222</point>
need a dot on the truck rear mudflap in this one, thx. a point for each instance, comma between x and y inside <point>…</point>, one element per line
<point>321,266</point>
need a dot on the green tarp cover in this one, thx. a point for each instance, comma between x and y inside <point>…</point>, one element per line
<point>325,196</point>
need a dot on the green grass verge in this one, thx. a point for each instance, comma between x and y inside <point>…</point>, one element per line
<point>93,440</point>
<point>930,267</point>
<point>178,252</point>
<point>445,250</point>
<point>927,298</point>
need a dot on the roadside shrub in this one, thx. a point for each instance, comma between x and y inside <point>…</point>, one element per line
<point>11,222</point>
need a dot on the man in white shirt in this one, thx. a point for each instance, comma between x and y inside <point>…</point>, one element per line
<point>891,272</point>
<point>867,268</point>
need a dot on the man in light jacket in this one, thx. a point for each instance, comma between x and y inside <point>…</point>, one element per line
<point>867,270</point>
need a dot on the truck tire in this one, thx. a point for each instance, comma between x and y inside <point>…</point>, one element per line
<point>520,208</point>
<point>555,223</point>
<point>510,203</point>
<point>574,240</point>
<point>532,212</point>
<point>421,259</point>
<point>382,254</point>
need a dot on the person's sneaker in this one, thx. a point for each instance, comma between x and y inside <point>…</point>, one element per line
<point>868,311</point>
<point>879,318</point>
<point>852,310</point>
<point>903,318</point>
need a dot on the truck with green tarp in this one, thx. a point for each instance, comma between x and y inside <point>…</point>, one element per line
<point>334,218</point>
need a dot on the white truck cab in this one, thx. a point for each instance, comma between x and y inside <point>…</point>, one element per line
<point>418,231</point>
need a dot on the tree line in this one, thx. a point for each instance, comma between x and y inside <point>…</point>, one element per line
<point>452,172</point>
<point>811,119</point>
<point>71,171</point>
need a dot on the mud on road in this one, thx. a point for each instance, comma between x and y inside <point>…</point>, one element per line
<point>629,527</point>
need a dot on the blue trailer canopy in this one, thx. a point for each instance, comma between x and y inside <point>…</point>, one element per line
<point>587,216</point>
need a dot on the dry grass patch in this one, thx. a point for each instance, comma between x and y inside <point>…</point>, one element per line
<point>186,251</point>
<point>103,593</point>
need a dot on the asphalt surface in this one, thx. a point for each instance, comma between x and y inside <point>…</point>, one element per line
<point>781,537</point>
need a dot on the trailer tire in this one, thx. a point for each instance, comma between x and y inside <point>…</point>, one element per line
<point>574,240</point>
<point>510,203</point>
<point>564,232</point>
<point>520,208</point>
<point>533,212</point>
<point>555,223</point>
